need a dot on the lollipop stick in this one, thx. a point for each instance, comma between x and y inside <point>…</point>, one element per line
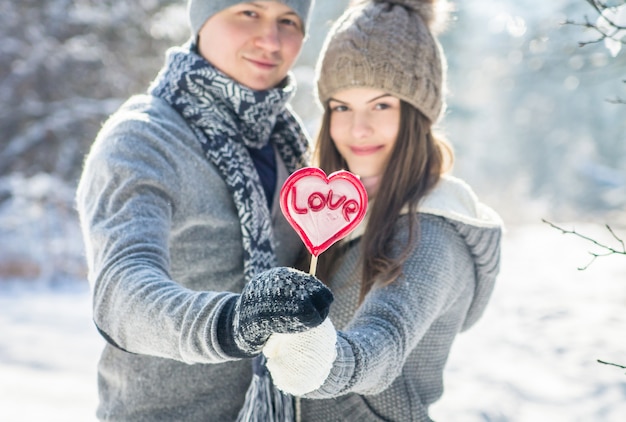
<point>313,266</point>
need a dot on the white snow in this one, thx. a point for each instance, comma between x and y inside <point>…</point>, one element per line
<point>48,353</point>
<point>533,356</point>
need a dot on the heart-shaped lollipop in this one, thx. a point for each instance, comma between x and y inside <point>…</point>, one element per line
<point>322,209</point>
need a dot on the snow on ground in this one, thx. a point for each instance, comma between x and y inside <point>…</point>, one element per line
<point>533,356</point>
<point>48,353</point>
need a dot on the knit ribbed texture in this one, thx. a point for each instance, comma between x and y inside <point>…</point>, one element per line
<point>280,300</point>
<point>392,350</point>
<point>184,227</point>
<point>229,118</point>
<point>299,363</point>
<point>388,45</point>
<point>201,10</point>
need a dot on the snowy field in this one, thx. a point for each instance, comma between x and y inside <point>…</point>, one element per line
<point>533,357</point>
<point>48,354</point>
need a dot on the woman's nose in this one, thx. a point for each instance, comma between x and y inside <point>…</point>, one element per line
<point>361,127</point>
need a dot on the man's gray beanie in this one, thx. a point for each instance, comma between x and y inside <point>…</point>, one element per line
<point>201,10</point>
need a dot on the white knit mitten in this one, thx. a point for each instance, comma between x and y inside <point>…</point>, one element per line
<point>300,362</point>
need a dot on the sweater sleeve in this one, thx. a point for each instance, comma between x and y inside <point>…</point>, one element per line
<point>373,347</point>
<point>126,198</point>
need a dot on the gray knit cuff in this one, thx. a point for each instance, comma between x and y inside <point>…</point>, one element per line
<point>225,332</point>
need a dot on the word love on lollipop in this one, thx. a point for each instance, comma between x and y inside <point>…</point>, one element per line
<point>322,209</point>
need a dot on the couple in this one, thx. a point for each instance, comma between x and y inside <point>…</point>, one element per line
<point>193,266</point>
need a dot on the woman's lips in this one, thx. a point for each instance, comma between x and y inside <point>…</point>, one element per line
<point>365,150</point>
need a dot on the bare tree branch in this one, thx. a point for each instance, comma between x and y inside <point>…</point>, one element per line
<point>597,4</point>
<point>608,250</point>
<point>601,7</point>
<point>617,101</point>
<point>611,364</point>
<point>615,28</point>
<point>588,25</point>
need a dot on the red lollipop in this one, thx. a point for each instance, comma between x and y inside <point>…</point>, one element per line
<point>322,209</point>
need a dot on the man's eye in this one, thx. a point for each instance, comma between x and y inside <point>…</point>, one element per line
<point>290,22</point>
<point>250,13</point>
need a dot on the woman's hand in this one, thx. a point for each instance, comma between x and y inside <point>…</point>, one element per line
<point>300,363</point>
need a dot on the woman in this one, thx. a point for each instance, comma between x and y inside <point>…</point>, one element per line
<point>421,267</point>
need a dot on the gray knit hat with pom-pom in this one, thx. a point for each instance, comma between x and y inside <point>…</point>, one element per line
<point>389,45</point>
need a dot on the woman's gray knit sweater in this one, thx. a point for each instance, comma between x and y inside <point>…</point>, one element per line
<point>392,349</point>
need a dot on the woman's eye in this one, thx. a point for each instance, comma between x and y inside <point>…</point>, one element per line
<point>250,13</point>
<point>338,108</point>
<point>382,106</point>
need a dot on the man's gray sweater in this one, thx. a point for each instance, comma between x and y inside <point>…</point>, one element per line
<point>163,244</point>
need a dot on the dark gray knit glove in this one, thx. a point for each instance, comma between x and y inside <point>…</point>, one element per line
<point>280,300</point>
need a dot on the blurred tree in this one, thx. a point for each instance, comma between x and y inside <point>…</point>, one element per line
<point>609,25</point>
<point>535,104</point>
<point>65,65</point>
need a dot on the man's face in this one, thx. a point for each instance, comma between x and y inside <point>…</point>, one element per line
<point>254,43</point>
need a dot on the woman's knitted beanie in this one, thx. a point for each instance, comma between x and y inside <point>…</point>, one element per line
<point>201,10</point>
<point>388,45</point>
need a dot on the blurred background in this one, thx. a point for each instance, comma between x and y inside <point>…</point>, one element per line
<point>538,121</point>
<point>535,119</point>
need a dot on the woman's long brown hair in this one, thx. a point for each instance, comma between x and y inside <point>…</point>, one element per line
<point>416,163</point>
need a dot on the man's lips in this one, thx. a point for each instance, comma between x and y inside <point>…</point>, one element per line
<point>263,64</point>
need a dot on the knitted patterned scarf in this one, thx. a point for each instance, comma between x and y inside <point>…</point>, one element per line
<point>228,118</point>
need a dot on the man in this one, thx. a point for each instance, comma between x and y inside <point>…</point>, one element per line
<point>181,221</point>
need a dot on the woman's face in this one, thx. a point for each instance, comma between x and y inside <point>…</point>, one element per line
<point>364,125</point>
